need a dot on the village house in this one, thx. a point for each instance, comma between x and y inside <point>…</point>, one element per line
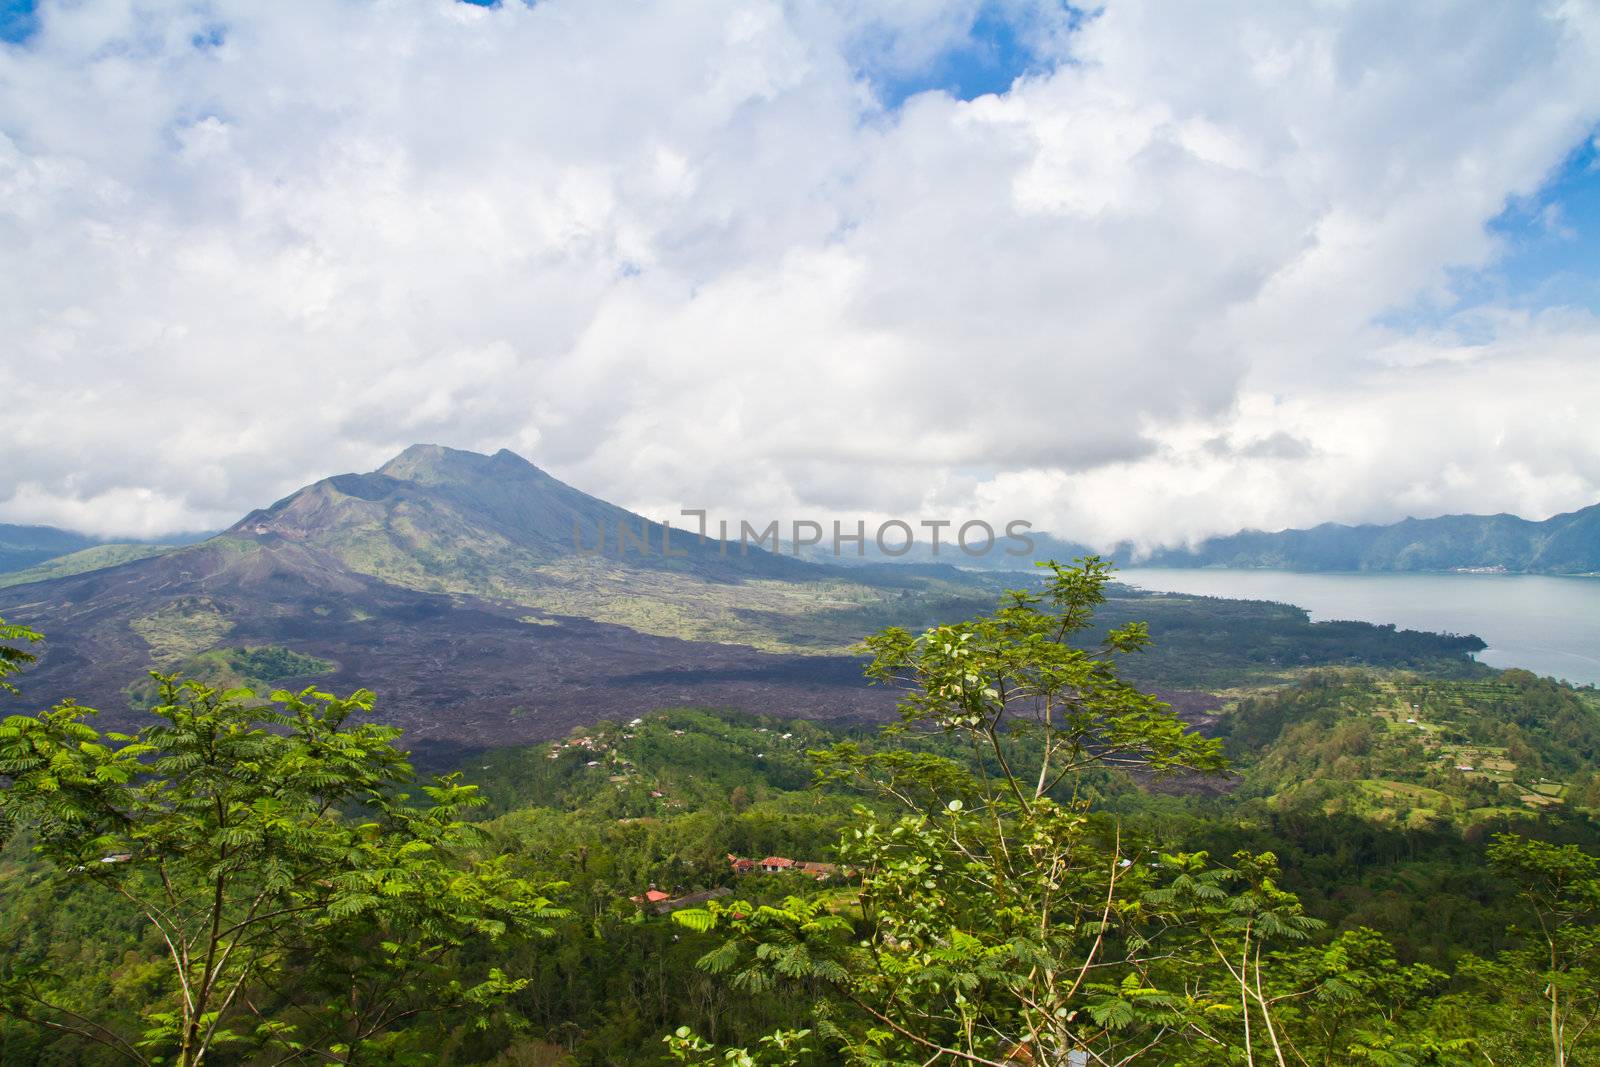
<point>651,896</point>
<point>782,864</point>
<point>661,903</point>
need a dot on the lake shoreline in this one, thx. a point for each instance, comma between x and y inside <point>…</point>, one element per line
<point>1548,624</point>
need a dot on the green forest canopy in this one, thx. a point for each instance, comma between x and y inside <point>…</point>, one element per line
<point>1010,891</point>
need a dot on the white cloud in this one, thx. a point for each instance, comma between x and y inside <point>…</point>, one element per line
<point>1512,428</point>
<point>681,256</point>
<point>128,511</point>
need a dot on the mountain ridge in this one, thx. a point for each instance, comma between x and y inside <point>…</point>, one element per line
<point>533,513</point>
<point>1565,544</point>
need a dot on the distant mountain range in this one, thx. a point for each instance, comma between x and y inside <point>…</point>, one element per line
<point>1562,544</point>
<point>23,546</point>
<point>47,552</point>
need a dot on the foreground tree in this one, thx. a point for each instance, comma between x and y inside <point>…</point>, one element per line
<point>306,906</point>
<point>14,657</point>
<point>998,920</point>
<point>1553,977</point>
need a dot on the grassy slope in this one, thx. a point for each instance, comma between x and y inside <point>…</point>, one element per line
<point>1414,750</point>
<point>260,668</point>
<point>88,559</point>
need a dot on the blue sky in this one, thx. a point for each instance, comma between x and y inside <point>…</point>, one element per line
<point>993,55</point>
<point>16,19</point>
<point>1552,239</point>
<point>1548,253</point>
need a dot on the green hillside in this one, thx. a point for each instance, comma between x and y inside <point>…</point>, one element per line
<point>613,810</point>
<point>1417,750</point>
<point>88,559</point>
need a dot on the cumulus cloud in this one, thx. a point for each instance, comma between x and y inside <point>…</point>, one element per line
<point>687,256</point>
<point>1507,431</point>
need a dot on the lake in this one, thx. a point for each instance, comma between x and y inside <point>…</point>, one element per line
<point>1548,625</point>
